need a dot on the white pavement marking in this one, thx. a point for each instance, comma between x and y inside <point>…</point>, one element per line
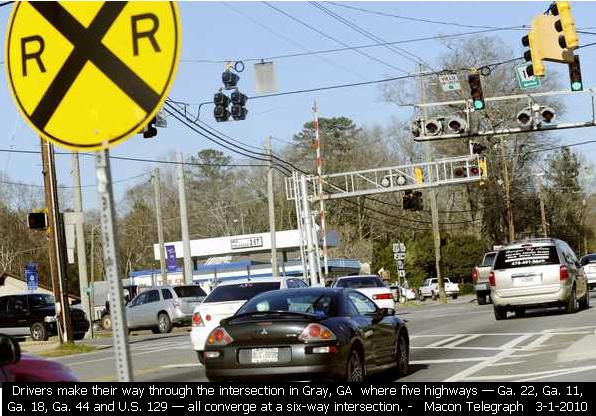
<point>462,341</point>
<point>503,364</point>
<point>537,343</point>
<point>443,341</point>
<point>508,349</point>
<point>460,348</point>
<point>187,365</point>
<point>532,376</point>
<point>449,360</point>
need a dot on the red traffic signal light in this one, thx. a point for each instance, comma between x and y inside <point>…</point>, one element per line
<point>37,221</point>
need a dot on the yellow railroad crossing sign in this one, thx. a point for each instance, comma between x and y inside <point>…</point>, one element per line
<point>85,74</point>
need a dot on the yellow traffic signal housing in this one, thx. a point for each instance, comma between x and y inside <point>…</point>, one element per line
<point>483,167</point>
<point>564,23</point>
<point>418,175</point>
<point>533,55</point>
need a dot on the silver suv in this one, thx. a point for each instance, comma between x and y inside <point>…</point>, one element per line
<point>537,273</point>
<point>160,307</point>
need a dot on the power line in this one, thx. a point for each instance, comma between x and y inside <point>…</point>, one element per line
<point>30,185</point>
<point>560,147</point>
<point>332,38</point>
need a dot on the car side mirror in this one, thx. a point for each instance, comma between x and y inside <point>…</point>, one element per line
<point>388,311</point>
<point>10,351</point>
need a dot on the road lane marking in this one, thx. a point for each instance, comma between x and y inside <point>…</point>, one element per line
<point>537,343</point>
<point>448,361</point>
<point>443,341</point>
<point>462,341</point>
<point>187,365</point>
<point>532,376</point>
<point>508,349</point>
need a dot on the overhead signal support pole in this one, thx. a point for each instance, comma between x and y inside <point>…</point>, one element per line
<point>55,243</point>
<point>184,221</point>
<point>433,201</point>
<point>110,254</point>
<point>312,263</point>
<point>320,185</point>
<point>80,237</point>
<point>162,251</point>
<point>271,203</point>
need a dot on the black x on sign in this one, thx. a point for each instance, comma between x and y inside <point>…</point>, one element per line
<point>89,74</point>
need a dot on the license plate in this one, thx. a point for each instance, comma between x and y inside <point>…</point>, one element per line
<point>526,280</point>
<point>264,355</point>
<point>591,269</point>
<point>482,286</point>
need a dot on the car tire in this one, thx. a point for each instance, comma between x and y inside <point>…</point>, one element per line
<point>78,336</point>
<point>201,357</point>
<point>500,313</point>
<point>402,350</point>
<point>164,324</point>
<point>106,322</point>
<point>434,296</point>
<point>585,302</point>
<point>38,332</point>
<point>421,297</point>
<point>572,303</point>
<point>520,313</point>
<point>454,296</point>
<point>481,299</point>
<point>354,367</point>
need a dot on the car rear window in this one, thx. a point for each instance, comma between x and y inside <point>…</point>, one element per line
<point>360,282</point>
<point>314,303</point>
<point>189,292</point>
<point>489,259</point>
<point>526,256</point>
<point>240,291</point>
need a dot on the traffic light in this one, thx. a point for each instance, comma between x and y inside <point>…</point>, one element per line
<point>536,67</point>
<point>476,91</point>
<point>37,221</point>
<point>407,200</point>
<point>150,130</point>
<point>575,75</point>
<point>565,24</point>
<point>456,125</point>
<point>417,205</point>
<point>220,112</point>
<point>483,167</point>
<point>418,175</point>
<point>547,114</point>
<point>433,127</point>
<point>229,79</point>
<point>238,102</point>
<point>524,117</point>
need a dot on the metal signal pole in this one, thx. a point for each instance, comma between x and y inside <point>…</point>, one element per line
<point>308,227</point>
<point>184,221</point>
<point>508,210</point>
<point>320,184</point>
<point>162,251</point>
<point>56,243</point>
<point>433,201</point>
<point>271,203</point>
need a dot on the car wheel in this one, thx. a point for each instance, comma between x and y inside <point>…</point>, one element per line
<point>481,299</point>
<point>421,297</point>
<point>164,325</point>
<point>520,313</point>
<point>500,313</point>
<point>201,357</point>
<point>354,368</point>
<point>454,296</point>
<point>585,302</point>
<point>572,304</point>
<point>78,336</point>
<point>403,356</point>
<point>38,332</point>
<point>434,296</point>
<point>106,322</point>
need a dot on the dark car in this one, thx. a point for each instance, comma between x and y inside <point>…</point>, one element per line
<point>25,368</point>
<point>307,334</point>
<point>35,313</point>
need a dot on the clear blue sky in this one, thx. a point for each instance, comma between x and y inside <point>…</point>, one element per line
<point>217,30</point>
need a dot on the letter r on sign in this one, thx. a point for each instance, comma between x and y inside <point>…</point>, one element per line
<point>32,54</point>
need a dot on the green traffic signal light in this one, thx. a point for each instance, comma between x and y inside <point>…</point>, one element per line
<point>576,86</point>
<point>478,104</point>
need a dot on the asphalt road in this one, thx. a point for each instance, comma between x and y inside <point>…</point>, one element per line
<point>459,341</point>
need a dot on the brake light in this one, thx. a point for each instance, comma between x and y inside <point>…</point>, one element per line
<point>491,279</point>
<point>197,320</point>
<point>381,296</point>
<point>316,332</point>
<point>474,274</point>
<point>219,336</point>
<point>207,317</point>
<point>563,273</point>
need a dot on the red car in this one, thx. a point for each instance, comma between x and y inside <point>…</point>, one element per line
<point>17,367</point>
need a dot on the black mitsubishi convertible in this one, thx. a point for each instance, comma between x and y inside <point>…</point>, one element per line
<point>307,334</point>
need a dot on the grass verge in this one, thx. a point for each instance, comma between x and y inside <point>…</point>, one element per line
<point>67,349</point>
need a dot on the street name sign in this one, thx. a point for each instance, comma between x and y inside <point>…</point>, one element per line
<point>87,75</point>
<point>449,82</point>
<point>524,80</point>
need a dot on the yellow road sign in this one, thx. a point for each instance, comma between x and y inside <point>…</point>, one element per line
<point>85,74</point>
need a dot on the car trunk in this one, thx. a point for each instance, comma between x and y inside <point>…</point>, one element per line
<point>188,305</point>
<point>214,312</point>
<point>533,280</point>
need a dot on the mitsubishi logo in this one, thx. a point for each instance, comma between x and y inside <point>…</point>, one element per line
<point>264,332</point>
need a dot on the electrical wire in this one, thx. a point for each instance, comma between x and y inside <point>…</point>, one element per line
<point>30,185</point>
<point>560,147</point>
<point>332,38</point>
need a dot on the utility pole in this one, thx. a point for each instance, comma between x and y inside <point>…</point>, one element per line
<point>271,203</point>
<point>184,221</point>
<point>433,200</point>
<point>56,244</point>
<point>312,262</point>
<point>508,210</point>
<point>77,201</point>
<point>320,184</point>
<point>162,251</point>
<point>111,261</point>
<point>542,210</point>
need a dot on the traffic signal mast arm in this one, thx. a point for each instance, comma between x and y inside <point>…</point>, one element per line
<point>450,171</point>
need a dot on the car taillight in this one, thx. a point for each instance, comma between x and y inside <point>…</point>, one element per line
<point>381,296</point>
<point>316,332</point>
<point>207,317</point>
<point>563,273</point>
<point>474,274</point>
<point>219,336</point>
<point>491,279</point>
<point>197,320</point>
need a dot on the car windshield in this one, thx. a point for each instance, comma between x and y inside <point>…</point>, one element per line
<point>314,303</point>
<point>526,256</point>
<point>359,282</point>
<point>489,259</point>
<point>40,301</point>
<point>240,291</point>
<point>189,292</point>
<point>590,258</point>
